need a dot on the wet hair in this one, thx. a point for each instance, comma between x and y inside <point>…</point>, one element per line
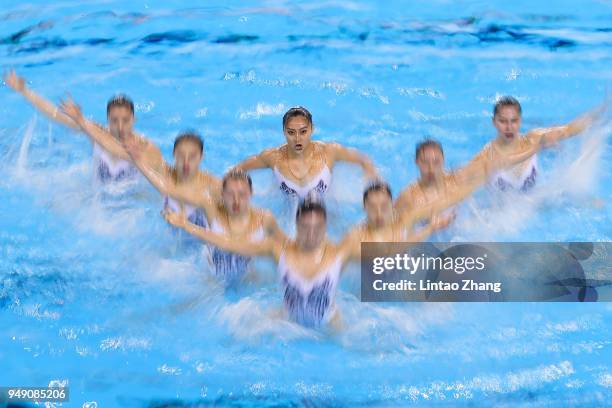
<point>297,111</point>
<point>310,205</point>
<point>235,174</point>
<point>377,186</point>
<point>120,101</point>
<point>189,136</point>
<point>507,101</point>
<point>420,147</point>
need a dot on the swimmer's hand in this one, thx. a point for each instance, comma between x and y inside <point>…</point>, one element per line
<point>134,147</point>
<point>72,110</point>
<point>371,175</point>
<point>439,222</point>
<point>178,219</point>
<point>15,82</point>
<point>598,111</point>
<point>546,138</point>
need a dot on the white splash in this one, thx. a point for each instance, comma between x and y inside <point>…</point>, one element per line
<point>251,320</point>
<point>263,109</point>
<point>22,158</point>
<point>573,175</point>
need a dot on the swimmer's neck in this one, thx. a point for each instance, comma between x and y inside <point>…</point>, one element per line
<point>120,139</point>
<point>185,179</point>
<point>314,250</point>
<point>240,217</point>
<point>373,228</point>
<point>436,182</point>
<point>501,142</point>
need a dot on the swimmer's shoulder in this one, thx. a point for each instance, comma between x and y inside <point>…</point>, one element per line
<point>327,148</point>
<point>407,197</point>
<point>334,250</point>
<point>485,152</point>
<point>272,155</point>
<point>209,182</point>
<point>357,232</point>
<point>453,179</point>
<point>324,145</point>
<point>533,137</point>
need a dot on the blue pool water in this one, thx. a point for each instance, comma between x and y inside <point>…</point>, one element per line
<point>98,294</point>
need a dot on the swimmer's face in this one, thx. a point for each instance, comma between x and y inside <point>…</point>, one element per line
<point>236,196</point>
<point>379,209</point>
<point>298,131</point>
<point>120,121</point>
<point>430,163</point>
<point>310,230</point>
<point>187,158</point>
<point>507,121</point>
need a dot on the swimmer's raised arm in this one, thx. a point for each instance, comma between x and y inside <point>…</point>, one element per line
<point>267,246</point>
<point>549,136</point>
<point>350,246</point>
<point>263,160</point>
<point>95,132</point>
<point>486,163</point>
<point>436,222</point>
<point>43,105</point>
<point>147,158</point>
<point>337,152</point>
<point>429,211</point>
<point>187,194</point>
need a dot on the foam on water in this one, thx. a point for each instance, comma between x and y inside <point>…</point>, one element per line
<point>98,293</point>
<point>569,176</point>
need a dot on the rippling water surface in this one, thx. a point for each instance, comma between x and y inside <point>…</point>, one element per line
<point>96,293</point>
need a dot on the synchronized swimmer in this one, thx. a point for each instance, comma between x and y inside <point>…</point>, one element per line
<point>232,216</point>
<point>302,166</point>
<point>309,265</point>
<point>507,162</point>
<point>109,165</point>
<point>112,162</point>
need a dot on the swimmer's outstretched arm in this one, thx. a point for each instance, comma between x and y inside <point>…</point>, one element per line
<point>152,166</point>
<point>350,245</point>
<point>468,182</point>
<point>262,160</point>
<point>337,152</point>
<point>266,247</point>
<point>429,212</point>
<point>486,163</point>
<point>549,136</point>
<point>436,223</point>
<point>43,105</point>
<point>147,157</point>
<point>95,132</point>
